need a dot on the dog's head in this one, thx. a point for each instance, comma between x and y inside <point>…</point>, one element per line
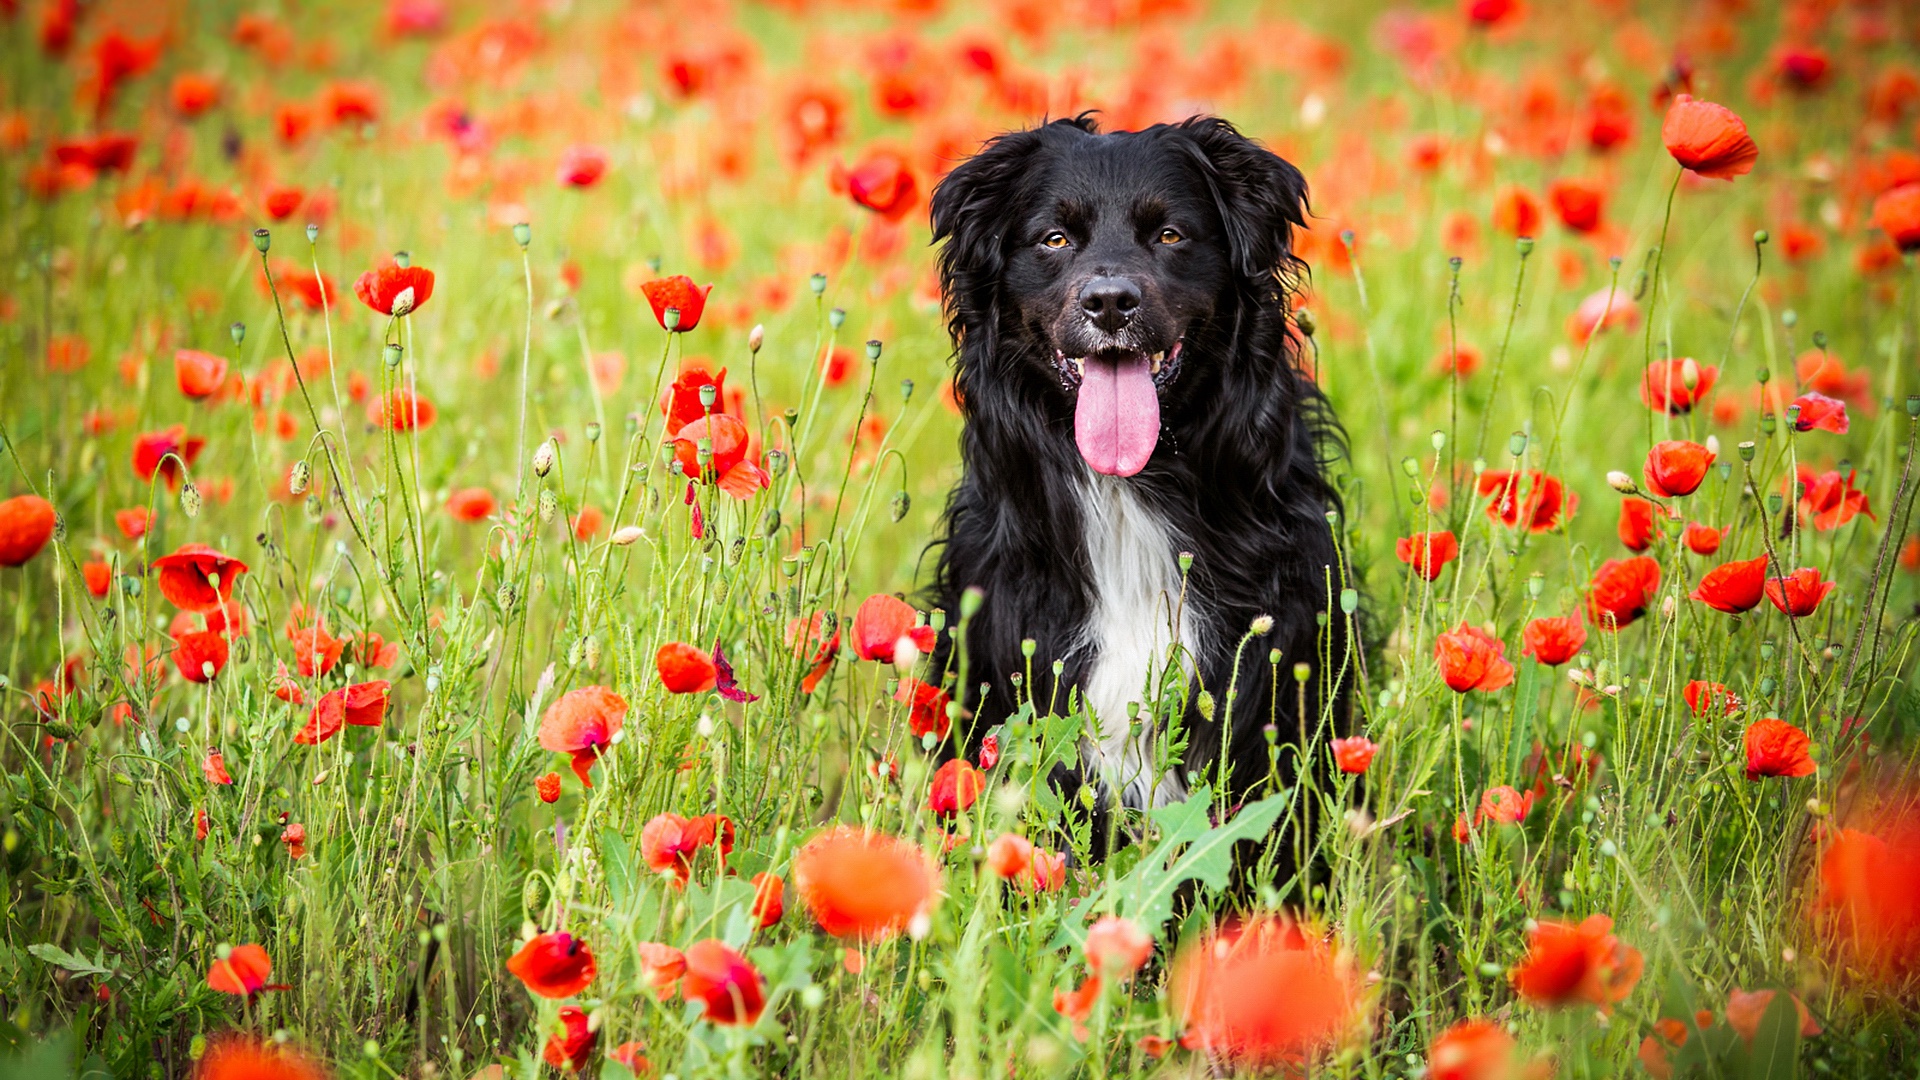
<point>1127,261</point>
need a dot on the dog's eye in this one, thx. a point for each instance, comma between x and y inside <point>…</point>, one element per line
<point>1170,236</point>
<point>1055,239</point>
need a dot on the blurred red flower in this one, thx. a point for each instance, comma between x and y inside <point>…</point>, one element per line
<point>864,886</point>
<point>214,768</point>
<point>472,504</point>
<point>1567,964</point>
<point>1677,467</point>
<point>26,524</point>
<point>956,785</point>
<point>196,577</point>
<point>1708,139</point>
<point>1116,948</point>
<point>1746,1010</point>
<point>156,451</point>
<point>547,787</point>
<point>1533,499</point>
<point>1263,995</point>
<point>1354,753</point>
<point>1553,641</point>
<point>1802,68</point>
<point>1777,748</point>
<point>1428,553</point>
<point>661,966</point>
<point>1637,529</point>
<point>1897,213</point>
<point>198,374</point>
<point>394,290</point>
<point>882,182</point>
<point>1621,590</point>
<point>1676,385</point>
<point>582,166</point>
<point>193,93</point>
<point>1701,539</point>
<point>1602,309</point>
<point>1578,203</point>
<point>197,654</point>
<point>244,971</point>
<point>1733,587</point>
<point>926,708</point>
<point>806,637</point>
<point>1868,901</point>
<point>769,899</point>
<point>242,1057</point>
<point>723,981</point>
<point>1818,411</point>
<point>570,1049</point>
<point>346,103</point>
<point>668,842</point>
<point>1702,696</point>
<point>1473,1050</point>
<point>815,119</point>
<point>553,965</point>
<point>401,411</point>
<point>1517,213</point>
<point>678,293</point>
<point>582,722</point>
<point>132,522</point>
<point>1472,659</point>
<point>1798,593</point>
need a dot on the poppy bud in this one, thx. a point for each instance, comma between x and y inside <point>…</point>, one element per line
<point>756,337</point>
<point>1765,374</point>
<point>313,233</point>
<point>549,505</point>
<point>262,240</point>
<point>506,596</point>
<point>626,535</point>
<point>1913,405</point>
<point>593,431</point>
<point>1204,703</point>
<point>1622,483</point>
<point>901,502</point>
<point>1820,339</point>
<point>543,458</point>
<point>314,508</point>
<point>1760,237</point>
<point>190,500</point>
<point>1767,424</point>
<point>238,331</point>
<point>873,350</point>
<point>1304,320</point>
<point>1273,657</point>
<point>970,601</point>
<point>837,318</point>
<point>1262,625</point>
<point>297,480</point>
<point>777,462</point>
<point>522,234</point>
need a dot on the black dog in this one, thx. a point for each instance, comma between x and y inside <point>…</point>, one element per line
<point>1128,380</point>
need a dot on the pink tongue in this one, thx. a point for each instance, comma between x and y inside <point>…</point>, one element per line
<point>1117,420</point>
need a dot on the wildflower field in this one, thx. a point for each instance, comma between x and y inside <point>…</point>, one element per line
<point>469,470</point>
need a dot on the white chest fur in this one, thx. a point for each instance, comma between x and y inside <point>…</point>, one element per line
<point>1137,616</point>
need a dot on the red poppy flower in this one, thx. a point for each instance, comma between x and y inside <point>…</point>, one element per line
<point>863,886</point>
<point>1077,1005</point>
<point>955,787</point>
<point>243,973</point>
<point>214,768</point>
<point>1621,591</point>
<point>151,447</point>
<point>1553,641</point>
<point>582,722</point>
<point>26,524</point>
<point>1578,203</point>
<point>1354,753</point>
<point>131,522</point>
<point>989,752</point>
<point>1472,1050</point>
<point>879,624</point>
<point>582,166</point>
<point>1701,539</point>
<point>1777,748</point>
<point>196,577</point>
<point>884,183</point>
<point>1708,139</point>
<point>395,290</point>
<point>553,965</point>
<point>281,202</point>
<point>769,899</point>
<point>472,504</point>
<point>1116,948</point>
<point>1676,385</point>
<point>346,103</point>
<point>728,443</point>
<point>1533,499</point>
<point>1745,1011</point>
<point>197,654</point>
<point>570,1049</point>
<point>370,650</point>
<point>682,404</point>
<point>1428,553</point>
<point>401,411</point>
<point>632,1054</point>
<point>926,708</point>
<point>668,842</point>
<point>680,293</point>
<point>1868,903</point>
<point>1801,67</point>
<point>806,637</point>
<point>1818,411</point>
<point>360,704</point>
<point>547,787</point>
<point>724,982</point>
<point>1516,213</point>
<point>1733,587</point>
<point>242,1057</point>
<point>1637,529</point>
<point>1602,309</point>
<point>314,650</point>
<point>1263,995</point>
<point>1799,593</point>
<point>661,966</point>
<point>685,669</point>
<point>110,152</point>
<point>1897,213</point>
<point>198,374</point>
<point>1568,963</point>
<point>1472,659</point>
<point>295,837</point>
<point>99,575</point>
<point>1676,467</point>
<point>1830,499</point>
<point>1702,696</point>
<point>815,119</point>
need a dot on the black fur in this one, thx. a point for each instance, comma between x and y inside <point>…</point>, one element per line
<point>1239,471</point>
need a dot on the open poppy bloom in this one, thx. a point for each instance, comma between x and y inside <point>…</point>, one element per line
<point>315,651</point>
<point>1702,697</point>
<point>864,886</point>
<point>1428,553</point>
<point>401,411</point>
<point>956,786</point>
<point>1897,213</point>
<point>1868,901</point>
<point>1637,528</point>
<point>1354,753</point>
<point>883,182</point>
<point>570,1049</point>
<point>682,404</point>
<point>198,374</point>
<point>1264,995</point>
<point>1602,309</point>
<point>669,842</point>
<point>806,636</point>
<point>1533,500</point>
<point>1116,948</point>
<point>162,451</point>
<point>1708,139</point>
<point>769,899</point>
<point>725,982</point>
<point>1472,659</point>
<point>26,524</point>
<point>243,972</point>
<point>1733,587</point>
<point>1568,964</point>
<point>728,465</point>
<point>1553,641</point>
<point>1578,203</point>
<point>1621,591</point>
<point>1701,539</point>
<point>1077,1005</point>
<point>214,768</point>
<point>926,708</point>
<point>394,290</point>
<point>1014,859</point>
<point>553,965</point>
<point>1830,500</point>
<point>1777,748</point>
<point>1676,385</point>
<point>582,722</point>
<point>681,294</point>
<point>359,705</point>
<point>1799,593</point>
<point>1677,467</point>
<point>472,504</point>
<point>200,655</point>
<point>685,669</point>
<point>582,166</point>
<point>1818,412</point>
<point>879,624</point>
<point>243,1057</point>
<point>661,966</point>
<point>196,577</point>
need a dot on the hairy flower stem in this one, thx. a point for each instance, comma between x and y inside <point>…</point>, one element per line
<point>1653,293</point>
<point>1500,358</point>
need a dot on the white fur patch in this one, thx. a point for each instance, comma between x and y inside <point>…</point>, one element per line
<point>1136,586</point>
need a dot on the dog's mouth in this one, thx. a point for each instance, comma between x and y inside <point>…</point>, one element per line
<point>1116,413</point>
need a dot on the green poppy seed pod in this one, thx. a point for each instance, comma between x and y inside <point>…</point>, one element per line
<point>906,391</point>
<point>1262,625</point>
<point>1773,504</point>
<point>703,452</point>
<point>549,504</point>
<point>315,509</point>
<point>522,234</point>
<point>1060,666</point>
<point>818,283</point>
<point>391,354</point>
<point>1270,732</point>
<point>238,332</point>
<point>873,350</point>
<point>1613,261</point>
<point>1302,672</point>
<point>837,318</point>
<point>777,463</point>
<point>1455,262</point>
<point>970,600</point>
<point>1768,423</point>
<point>1410,467</point>
<point>190,500</point>
<point>1027,645</point>
<point>1305,321</point>
<point>1766,649</point>
<point>543,456</point>
<point>806,556</point>
<point>1767,686</point>
<point>670,318</point>
<point>1536,584</point>
<point>1438,440</point>
<point>1517,443</point>
<point>1760,237</point>
<point>1793,416</point>
<point>1349,600</point>
<point>298,479</point>
<point>262,240</point>
<point>1819,339</point>
<point>707,394</point>
<point>1479,466</point>
<point>1273,657</point>
<point>1320,619</point>
<point>1913,405</point>
<point>593,431</point>
<point>1333,519</point>
<point>1524,245</point>
<point>403,259</point>
<point>313,232</point>
<point>1186,561</point>
<point>1204,703</point>
<point>901,504</point>
<point>1765,374</point>
<point>1346,237</point>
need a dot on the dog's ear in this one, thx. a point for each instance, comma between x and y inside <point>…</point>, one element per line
<point>971,212</point>
<point>1261,198</point>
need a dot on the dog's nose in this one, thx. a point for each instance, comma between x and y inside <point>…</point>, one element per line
<point>1110,302</point>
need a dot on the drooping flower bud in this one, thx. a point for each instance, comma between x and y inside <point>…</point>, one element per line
<point>543,456</point>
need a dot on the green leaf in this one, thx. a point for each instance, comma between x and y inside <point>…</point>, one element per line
<point>59,957</point>
<point>1775,1053</point>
